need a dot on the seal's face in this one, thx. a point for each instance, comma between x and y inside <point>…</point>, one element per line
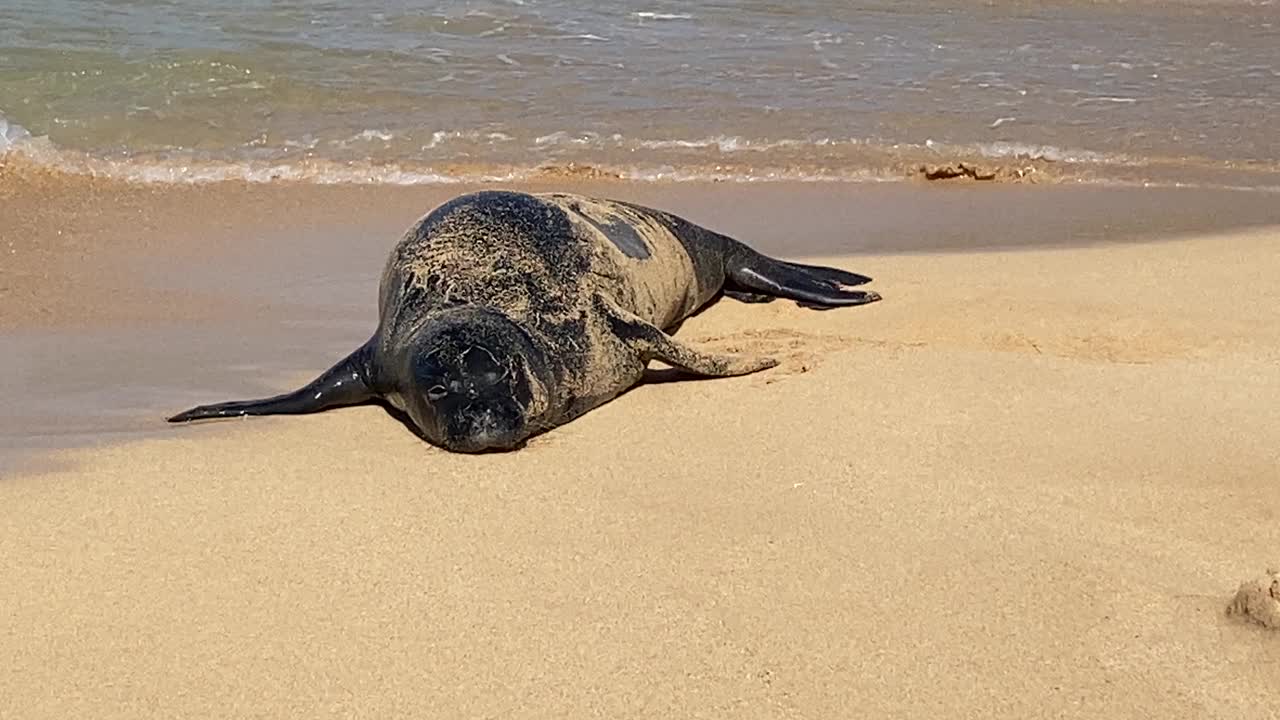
<point>474,386</point>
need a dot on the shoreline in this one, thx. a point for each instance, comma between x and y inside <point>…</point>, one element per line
<point>65,242</point>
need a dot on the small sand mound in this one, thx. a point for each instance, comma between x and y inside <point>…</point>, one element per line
<point>1259,600</point>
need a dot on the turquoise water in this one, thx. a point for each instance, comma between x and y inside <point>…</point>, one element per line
<point>397,91</point>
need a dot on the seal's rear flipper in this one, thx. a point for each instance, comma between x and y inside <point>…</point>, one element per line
<point>843,277</point>
<point>813,285</point>
<point>654,344</point>
<point>343,384</point>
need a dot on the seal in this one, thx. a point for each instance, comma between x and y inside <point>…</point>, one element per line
<point>505,314</point>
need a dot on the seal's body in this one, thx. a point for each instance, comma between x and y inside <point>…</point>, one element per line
<point>504,314</point>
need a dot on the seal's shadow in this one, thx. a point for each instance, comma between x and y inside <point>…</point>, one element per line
<point>398,415</point>
<point>662,376</point>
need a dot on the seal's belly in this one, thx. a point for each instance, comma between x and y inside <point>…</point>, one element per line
<point>654,275</point>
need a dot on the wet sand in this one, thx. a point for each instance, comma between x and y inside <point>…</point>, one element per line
<point>1027,484</point>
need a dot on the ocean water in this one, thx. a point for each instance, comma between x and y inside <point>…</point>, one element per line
<point>393,91</point>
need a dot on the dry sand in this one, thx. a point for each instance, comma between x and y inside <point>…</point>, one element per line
<point>1027,484</point>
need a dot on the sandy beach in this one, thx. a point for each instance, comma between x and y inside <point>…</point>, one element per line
<point>1027,484</point>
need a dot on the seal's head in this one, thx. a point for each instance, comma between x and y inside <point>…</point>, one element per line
<point>476,381</point>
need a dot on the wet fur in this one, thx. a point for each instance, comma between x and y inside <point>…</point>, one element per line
<point>589,285</point>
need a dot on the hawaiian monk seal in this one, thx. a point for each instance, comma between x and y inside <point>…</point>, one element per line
<point>504,314</point>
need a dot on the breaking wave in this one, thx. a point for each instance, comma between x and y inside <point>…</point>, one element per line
<point>382,157</point>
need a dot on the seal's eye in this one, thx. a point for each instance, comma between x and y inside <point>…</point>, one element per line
<point>437,393</point>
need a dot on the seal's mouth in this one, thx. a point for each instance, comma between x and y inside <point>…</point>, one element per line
<point>486,443</point>
<point>481,427</point>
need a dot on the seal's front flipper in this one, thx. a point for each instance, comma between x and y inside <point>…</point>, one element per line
<point>812,285</point>
<point>343,384</point>
<point>654,344</point>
